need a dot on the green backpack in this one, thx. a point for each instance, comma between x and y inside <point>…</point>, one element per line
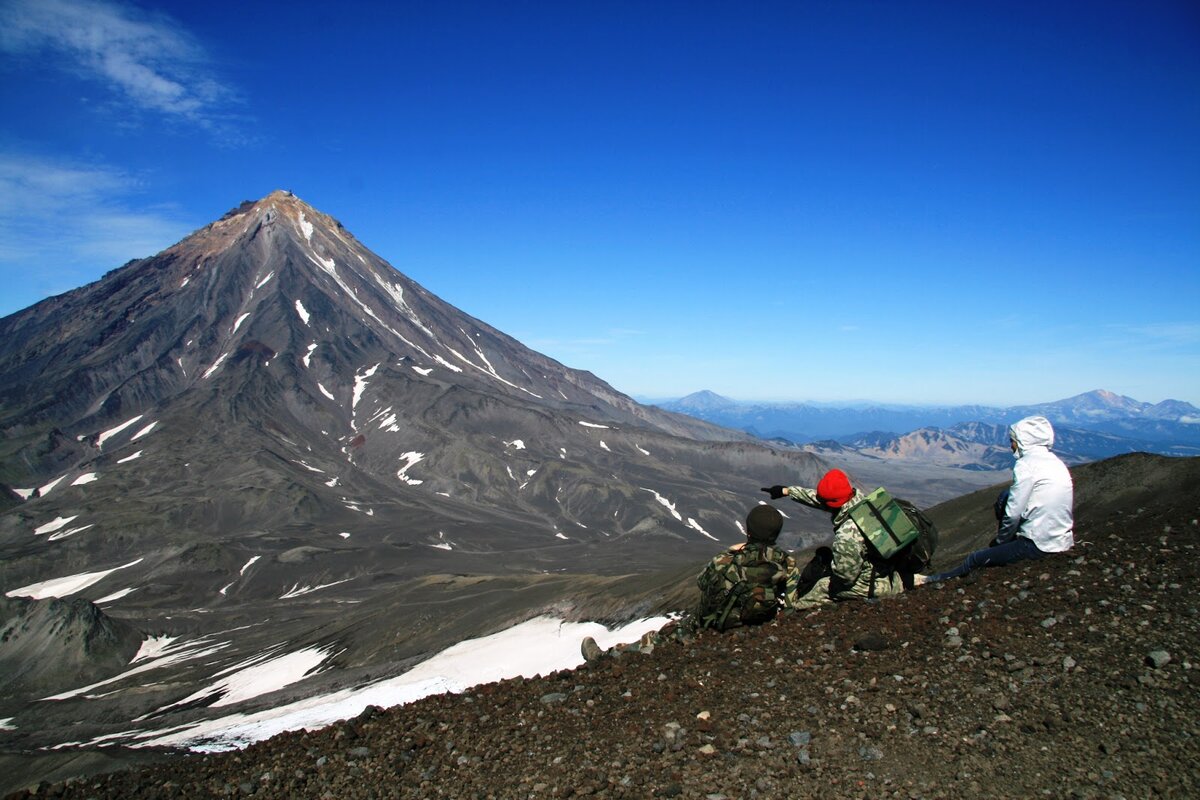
<point>901,537</point>
<point>738,587</point>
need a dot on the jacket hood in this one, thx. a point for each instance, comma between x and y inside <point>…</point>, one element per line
<point>1031,432</point>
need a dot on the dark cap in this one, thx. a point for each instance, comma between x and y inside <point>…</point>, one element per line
<point>763,524</point>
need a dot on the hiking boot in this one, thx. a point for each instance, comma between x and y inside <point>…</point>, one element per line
<point>590,650</point>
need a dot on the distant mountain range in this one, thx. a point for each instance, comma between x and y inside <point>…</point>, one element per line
<point>1089,426</point>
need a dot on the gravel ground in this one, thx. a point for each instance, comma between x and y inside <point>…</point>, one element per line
<point>1075,676</point>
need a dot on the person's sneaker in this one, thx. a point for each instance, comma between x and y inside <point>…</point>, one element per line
<point>590,650</point>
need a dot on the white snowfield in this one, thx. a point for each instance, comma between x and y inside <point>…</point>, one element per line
<point>111,432</point>
<point>66,586</point>
<point>536,647</point>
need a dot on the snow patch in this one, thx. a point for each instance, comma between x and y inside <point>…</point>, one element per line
<point>488,370</point>
<point>302,312</point>
<point>264,281</point>
<point>640,450</point>
<point>65,586</point>
<point>306,228</point>
<point>111,432</point>
<point>326,392</point>
<point>25,494</point>
<point>297,590</point>
<point>116,595</point>
<point>153,647</point>
<point>691,523</point>
<point>411,458</point>
<point>53,525</point>
<point>516,444</point>
<point>144,431</point>
<point>536,647</point>
<point>603,446</point>
<point>239,322</point>
<point>592,425</point>
<point>208,373</point>
<point>45,490</point>
<point>157,652</point>
<point>308,355</point>
<point>127,459</point>
<point>54,537</point>
<point>396,292</point>
<point>665,503</point>
<point>360,384</point>
<point>87,477</point>
<point>422,370</point>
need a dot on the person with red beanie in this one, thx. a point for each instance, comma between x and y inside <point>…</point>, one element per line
<point>848,572</point>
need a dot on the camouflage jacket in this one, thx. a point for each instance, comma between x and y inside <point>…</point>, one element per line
<point>853,571</point>
<point>719,577</point>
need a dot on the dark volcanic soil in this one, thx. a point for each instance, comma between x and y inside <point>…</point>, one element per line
<point>1075,676</point>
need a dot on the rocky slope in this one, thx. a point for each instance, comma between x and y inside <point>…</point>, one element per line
<point>1070,677</point>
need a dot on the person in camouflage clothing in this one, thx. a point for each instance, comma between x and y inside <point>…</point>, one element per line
<point>748,584</point>
<point>853,575</point>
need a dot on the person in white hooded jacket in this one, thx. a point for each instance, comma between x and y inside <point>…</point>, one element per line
<point>1037,519</point>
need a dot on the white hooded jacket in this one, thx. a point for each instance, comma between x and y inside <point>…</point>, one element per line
<point>1042,496</point>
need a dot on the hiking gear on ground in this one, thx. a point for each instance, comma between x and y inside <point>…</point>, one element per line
<point>775,491</point>
<point>834,489</point>
<point>763,524</point>
<point>746,586</point>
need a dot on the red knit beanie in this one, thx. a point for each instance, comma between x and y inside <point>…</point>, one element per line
<point>834,489</point>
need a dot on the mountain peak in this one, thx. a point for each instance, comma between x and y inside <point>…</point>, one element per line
<point>703,400</point>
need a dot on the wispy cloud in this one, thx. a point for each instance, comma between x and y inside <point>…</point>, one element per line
<point>64,224</point>
<point>149,61</point>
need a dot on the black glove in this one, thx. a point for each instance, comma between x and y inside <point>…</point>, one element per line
<point>775,491</point>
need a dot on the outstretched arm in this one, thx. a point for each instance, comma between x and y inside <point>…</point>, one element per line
<point>800,494</point>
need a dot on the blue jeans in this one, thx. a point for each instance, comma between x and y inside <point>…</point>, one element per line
<point>1019,549</point>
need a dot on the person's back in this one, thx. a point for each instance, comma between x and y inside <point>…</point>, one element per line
<point>1042,495</point>
<point>745,585</point>
<point>1037,518</point>
<point>748,584</point>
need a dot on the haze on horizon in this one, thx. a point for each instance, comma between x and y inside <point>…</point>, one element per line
<point>927,202</point>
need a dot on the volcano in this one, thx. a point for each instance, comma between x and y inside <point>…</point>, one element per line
<point>268,429</point>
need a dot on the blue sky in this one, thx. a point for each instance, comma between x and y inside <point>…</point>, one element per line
<point>927,202</point>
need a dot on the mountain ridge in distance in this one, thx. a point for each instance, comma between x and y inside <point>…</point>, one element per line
<point>1090,425</point>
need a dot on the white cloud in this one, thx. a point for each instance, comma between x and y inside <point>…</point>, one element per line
<point>149,61</point>
<point>63,224</point>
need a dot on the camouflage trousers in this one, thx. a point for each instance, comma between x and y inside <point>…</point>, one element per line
<point>821,594</point>
<point>680,630</point>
